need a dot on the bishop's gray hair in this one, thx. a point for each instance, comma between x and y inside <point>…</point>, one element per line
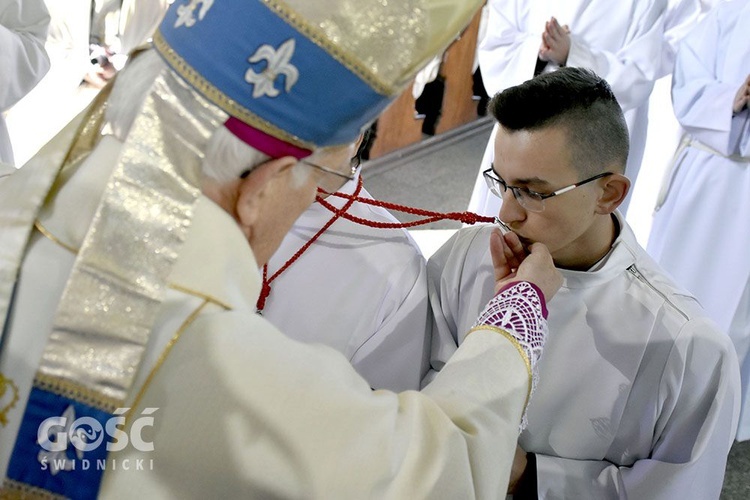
<point>226,156</point>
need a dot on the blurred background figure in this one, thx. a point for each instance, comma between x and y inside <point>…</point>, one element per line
<point>88,43</point>
<point>23,30</point>
<point>58,96</point>
<point>701,229</point>
<point>138,21</point>
<point>663,129</point>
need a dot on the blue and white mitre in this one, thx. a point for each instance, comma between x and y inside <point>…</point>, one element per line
<point>307,73</point>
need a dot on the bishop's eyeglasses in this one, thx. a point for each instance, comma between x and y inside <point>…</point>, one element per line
<point>332,184</point>
<point>528,199</point>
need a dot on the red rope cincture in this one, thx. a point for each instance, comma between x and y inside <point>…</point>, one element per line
<point>429,216</point>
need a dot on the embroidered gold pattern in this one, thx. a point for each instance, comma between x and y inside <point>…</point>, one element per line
<point>72,390</point>
<point>45,232</point>
<point>8,398</point>
<point>13,490</point>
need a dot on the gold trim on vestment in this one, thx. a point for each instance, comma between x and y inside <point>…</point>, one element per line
<point>189,291</point>
<point>518,347</point>
<point>200,295</point>
<point>76,392</point>
<point>39,227</point>
<point>13,490</point>
<point>167,349</point>
<point>8,403</point>
<point>117,284</point>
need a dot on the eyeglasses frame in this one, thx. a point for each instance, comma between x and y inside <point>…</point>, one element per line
<point>487,174</point>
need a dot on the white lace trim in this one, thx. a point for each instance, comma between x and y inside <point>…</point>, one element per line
<point>518,310</point>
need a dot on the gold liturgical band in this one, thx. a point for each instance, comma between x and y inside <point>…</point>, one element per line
<point>117,284</point>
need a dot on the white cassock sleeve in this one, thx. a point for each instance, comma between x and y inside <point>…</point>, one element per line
<point>632,69</point>
<point>701,98</point>
<point>246,412</point>
<point>23,30</point>
<point>138,21</point>
<point>507,54</point>
<point>396,355</point>
<point>698,416</point>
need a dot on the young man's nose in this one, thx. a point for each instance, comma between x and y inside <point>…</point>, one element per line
<point>510,209</point>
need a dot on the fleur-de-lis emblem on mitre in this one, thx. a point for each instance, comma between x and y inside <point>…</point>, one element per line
<point>277,64</point>
<point>185,13</point>
<point>8,398</point>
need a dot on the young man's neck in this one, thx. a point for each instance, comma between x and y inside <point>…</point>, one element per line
<point>592,249</point>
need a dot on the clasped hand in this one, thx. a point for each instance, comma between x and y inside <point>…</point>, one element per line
<point>742,99</point>
<point>555,43</point>
<point>511,262</point>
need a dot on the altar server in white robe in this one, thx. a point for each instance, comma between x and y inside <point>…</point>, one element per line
<point>639,390</point>
<point>23,30</point>
<point>621,41</point>
<point>664,130</point>
<point>380,324</point>
<point>59,96</point>
<point>129,257</point>
<point>138,21</point>
<point>701,229</point>
<point>680,18</point>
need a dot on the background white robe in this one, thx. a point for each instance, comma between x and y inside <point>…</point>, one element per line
<point>358,289</point>
<point>701,234</point>
<point>23,60</point>
<point>621,41</point>
<point>638,391</point>
<point>59,96</point>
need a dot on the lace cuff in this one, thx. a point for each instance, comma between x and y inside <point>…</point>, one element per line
<point>519,312</point>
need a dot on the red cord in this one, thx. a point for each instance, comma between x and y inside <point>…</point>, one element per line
<point>429,216</point>
<point>265,290</point>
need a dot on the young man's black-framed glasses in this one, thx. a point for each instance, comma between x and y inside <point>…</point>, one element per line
<point>530,200</point>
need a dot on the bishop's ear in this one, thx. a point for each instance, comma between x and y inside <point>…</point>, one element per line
<point>255,187</point>
<point>615,188</point>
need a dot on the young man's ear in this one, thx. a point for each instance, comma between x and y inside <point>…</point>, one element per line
<point>615,188</point>
<point>257,185</point>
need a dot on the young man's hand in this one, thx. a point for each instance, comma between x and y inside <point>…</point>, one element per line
<point>511,262</point>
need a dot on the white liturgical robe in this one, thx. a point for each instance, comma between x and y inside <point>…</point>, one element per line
<point>639,392</point>
<point>23,29</point>
<point>242,410</point>
<point>701,231</point>
<point>620,41</point>
<point>358,289</point>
